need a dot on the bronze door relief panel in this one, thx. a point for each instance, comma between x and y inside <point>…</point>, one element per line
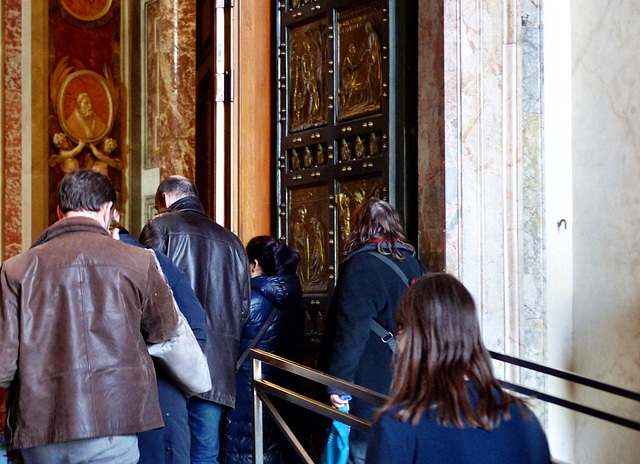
<point>360,56</point>
<point>309,219</point>
<point>334,134</point>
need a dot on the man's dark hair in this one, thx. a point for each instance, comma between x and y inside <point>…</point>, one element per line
<point>177,186</point>
<point>85,190</point>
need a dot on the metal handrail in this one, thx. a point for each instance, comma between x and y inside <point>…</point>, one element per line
<point>571,377</point>
<point>566,375</point>
<point>263,388</point>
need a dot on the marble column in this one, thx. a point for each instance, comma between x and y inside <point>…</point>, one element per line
<point>11,106</point>
<point>176,52</point>
<point>483,163</point>
<point>492,192</point>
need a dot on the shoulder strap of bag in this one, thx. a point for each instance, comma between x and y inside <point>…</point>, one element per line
<point>392,265</point>
<point>258,336</point>
<point>386,336</point>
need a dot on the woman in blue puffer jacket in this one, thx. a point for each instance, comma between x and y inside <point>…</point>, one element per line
<point>274,284</point>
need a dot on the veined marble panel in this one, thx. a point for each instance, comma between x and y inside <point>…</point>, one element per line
<point>176,38</point>
<point>482,163</point>
<point>151,102</point>
<point>12,128</point>
<point>533,316</point>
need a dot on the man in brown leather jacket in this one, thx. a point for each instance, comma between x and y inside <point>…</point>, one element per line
<point>216,263</point>
<point>75,312</point>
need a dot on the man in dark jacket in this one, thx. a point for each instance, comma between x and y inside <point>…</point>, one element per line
<point>75,313</point>
<point>171,444</point>
<point>216,264</point>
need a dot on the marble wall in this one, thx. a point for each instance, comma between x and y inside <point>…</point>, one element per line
<point>606,228</point>
<point>502,205</point>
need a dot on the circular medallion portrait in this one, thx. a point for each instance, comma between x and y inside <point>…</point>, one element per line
<point>86,10</point>
<point>85,107</point>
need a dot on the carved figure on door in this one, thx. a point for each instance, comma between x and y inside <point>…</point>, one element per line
<point>374,145</point>
<point>359,148</point>
<point>301,244</point>
<point>372,59</point>
<point>317,256</point>
<point>320,155</point>
<point>345,150</point>
<point>295,160</point>
<point>307,158</point>
<point>351,88</point>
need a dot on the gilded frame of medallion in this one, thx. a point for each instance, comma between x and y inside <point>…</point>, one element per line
<point>101,98</point>
<point>311,234</point>
<point>92,15</point>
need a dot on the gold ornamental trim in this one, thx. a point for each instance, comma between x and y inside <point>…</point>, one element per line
<point>86,10</point>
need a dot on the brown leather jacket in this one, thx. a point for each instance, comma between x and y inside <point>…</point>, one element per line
<point>216,264</point>
<point>75,311</point>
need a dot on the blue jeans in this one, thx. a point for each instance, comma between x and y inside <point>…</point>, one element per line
<point>204,424</point>
<point>121,449</point>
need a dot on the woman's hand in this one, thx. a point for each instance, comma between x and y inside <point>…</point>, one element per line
<point>337,402</point>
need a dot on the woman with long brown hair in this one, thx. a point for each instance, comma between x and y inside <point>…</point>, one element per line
<point>445,405</point>
<point>379,262</point>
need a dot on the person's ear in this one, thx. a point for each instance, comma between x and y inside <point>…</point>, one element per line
<point>254,268</point>
<point>59,211</point>
<point>105,214</point>
<point>166,200</point>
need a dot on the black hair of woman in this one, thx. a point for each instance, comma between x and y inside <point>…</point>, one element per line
<point>275,257</point>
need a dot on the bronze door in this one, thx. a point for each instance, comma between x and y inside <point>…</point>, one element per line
<point>344,77</point>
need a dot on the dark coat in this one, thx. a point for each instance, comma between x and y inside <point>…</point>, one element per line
<point>75,312</point>
<point>367,289</point>
<point>171,444</point>
<point>217,267</point>
<point>283,337</point>
<point>519,440</point>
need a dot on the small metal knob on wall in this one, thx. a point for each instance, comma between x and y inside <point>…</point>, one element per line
<point>562,221</point>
